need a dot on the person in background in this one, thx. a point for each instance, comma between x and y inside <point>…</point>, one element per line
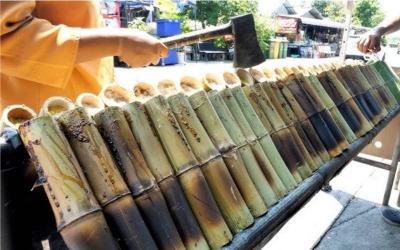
<point>53,48</point>
<point>371,43</point>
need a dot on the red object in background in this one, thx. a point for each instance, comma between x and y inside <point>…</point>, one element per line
<point>228,38</point>
<point>110,10</point>
<point>287,25</point>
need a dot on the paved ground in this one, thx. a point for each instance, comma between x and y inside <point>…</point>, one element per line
<point>347,218</point>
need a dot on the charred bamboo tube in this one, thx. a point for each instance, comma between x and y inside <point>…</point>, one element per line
<point>345,103</point>
<point>55,105</point>
<point>377,82</point>
<point>359,94</point>
<point>185,165</point>
<point>330,105</point>
<point>242,139</point>
<point>303,127</point>
<point>77,213</point>
<point>90,102</point>
<point>114,95</point>
<point>263,107</point>
<point>319,106</point>
<point>106,181</point>
<point>292,156</point>
<point>317,115</point>
<point>373,100</point>
<point>14,115</point>
<point>156,160</point>
<point>391,80</point>
<point>233,208</point>
<point>226,146</point>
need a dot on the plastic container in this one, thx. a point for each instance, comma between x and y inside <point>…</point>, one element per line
<point>168,27</point>
<point>171,59</point>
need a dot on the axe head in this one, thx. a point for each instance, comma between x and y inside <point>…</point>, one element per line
<point>247,51</point>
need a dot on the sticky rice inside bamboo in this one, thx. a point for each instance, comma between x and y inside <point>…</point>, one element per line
<point>14,115</point>
<point>90,102</point>
<point>56,105</point>
<point>114,95</point>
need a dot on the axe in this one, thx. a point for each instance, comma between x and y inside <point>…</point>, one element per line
<point>247,52</point>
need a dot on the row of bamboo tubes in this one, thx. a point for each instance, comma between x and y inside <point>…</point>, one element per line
<point>188,165</point>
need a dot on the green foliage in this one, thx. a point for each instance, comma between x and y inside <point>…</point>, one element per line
<point>139,24</point>
<point>332,9</point>
<point>367,13</point>
<point>321,6</point>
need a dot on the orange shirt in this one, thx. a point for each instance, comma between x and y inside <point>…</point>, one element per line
<point>38,50</point>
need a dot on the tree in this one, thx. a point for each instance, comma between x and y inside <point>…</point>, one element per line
<point>321,6</point>
<point>335,11</point>
<point>367,13</point>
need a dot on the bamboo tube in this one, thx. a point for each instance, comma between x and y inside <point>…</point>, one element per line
<point>78,215</point>
<point>370,72</point>
<point>374,72</point>
<point>106,181</point>
<point>184,163</point>
<point>318,104</point>
<point>345,103</point>
<point>356,90</point>
<point>116,131</point>
<point>56,105</point>
<point>90,102</point>
<point>14,115</point>
<point>233,208</point>
<point>263,106</point>
<point>324,124</point>
<point>226,146</point>
<point>330,105</point>
<point>391,79</point>
<point>114,95</point>
<point>302,125</point>
<point>233,97</point>
<point>373,101</point>
<point>241,133</point>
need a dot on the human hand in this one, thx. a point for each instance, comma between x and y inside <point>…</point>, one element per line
<point>138,48</point>
<point>370,42</point>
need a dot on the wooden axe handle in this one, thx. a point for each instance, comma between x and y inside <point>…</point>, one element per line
<point>196,36</point>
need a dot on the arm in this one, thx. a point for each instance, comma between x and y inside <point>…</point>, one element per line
<point>370,42</point>
<point>134,47</point>
<point>32,47</point>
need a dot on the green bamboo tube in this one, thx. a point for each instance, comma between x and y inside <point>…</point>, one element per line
<point>374,101</point>
<point>14,115</point>
<point>115,129</point>
<point>359,93</point>
<point>184,163</point>
<point>114,95</point>
<point>345,103</point>
<point>234,130</point>
<point>311,140</point>
<point>109,186</point>
<point>318,104</point>
<point>222,140</point>
<point>77,213</point>
<point>374,78</point>
<point>263,106</point>
<point>234,97</point>
<point>323,123</point>
<point>234,209</point>
<point>391,79</point>
<point>330,105</point>
<point>92,103</point>
<point>161,168</point>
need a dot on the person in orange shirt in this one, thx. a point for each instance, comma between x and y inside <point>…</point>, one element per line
<point>53,48</point>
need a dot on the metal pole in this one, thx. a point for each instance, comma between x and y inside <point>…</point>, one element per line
<point>346,31</point>
<point>393,167</point>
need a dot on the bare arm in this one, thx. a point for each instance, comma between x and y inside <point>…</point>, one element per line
<point>134,47</point>
<point>370,42</point>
